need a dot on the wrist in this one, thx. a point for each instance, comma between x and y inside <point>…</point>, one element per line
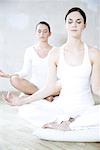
<point>9,75</point>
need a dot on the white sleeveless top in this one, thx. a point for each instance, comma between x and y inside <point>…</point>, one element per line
<point>74,99</point>
<point>75,82</point>
<point>36,66</point>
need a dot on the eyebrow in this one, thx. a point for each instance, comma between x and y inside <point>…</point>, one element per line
<point>42,29</point>
<point>77,19</point>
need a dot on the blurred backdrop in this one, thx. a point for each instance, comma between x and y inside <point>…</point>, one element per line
<point>18,19</point>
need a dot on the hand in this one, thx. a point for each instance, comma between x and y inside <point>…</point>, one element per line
<point>64,125</point>
<point>13,100</point>
<point>3,74</point>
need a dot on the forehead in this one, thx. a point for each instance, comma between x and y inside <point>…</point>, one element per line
<point>42,27</point>
<point>75,15</point>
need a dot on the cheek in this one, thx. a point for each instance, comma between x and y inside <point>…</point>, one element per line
<point>83,27</point>
<point>47,35</point>
<point>67,27</point>
<point>37,33</point>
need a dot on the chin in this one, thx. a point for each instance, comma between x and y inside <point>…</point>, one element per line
<point>42,40</point>
<point>75,35</point>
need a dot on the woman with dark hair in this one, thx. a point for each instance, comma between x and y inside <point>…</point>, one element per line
<point>78,67</point>
<point>35,61</point>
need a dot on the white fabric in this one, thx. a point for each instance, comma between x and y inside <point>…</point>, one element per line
<point>86,135</point>
<point>75,81</point>
<point>89,118</point>
<point>75,100</point>
<point>40,112</point>
<point>36,66</point>
<point>86,128</point>
<point>75,97</point>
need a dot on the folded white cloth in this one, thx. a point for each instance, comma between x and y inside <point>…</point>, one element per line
<point>89,118</point>
<point>86,135</point>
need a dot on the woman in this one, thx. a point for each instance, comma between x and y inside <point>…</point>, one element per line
<point>36,59</point>
<point>78,67</point>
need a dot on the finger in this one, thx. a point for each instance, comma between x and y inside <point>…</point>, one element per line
<point>50,124</point>
<point>8,95</point>
<point>7,99</point>
<point>4,97</point>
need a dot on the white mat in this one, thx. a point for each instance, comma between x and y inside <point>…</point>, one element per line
<point>91,134</point>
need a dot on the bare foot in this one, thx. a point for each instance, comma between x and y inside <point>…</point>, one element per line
<point>50,98</point>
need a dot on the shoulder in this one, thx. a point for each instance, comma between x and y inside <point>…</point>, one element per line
<point>55,51</point>
<point>30,51</point>
<point>94,54</point>
<point>54,54</point>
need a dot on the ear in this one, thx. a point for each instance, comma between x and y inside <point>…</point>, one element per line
<point>50,33</point>
<point>85,25</point>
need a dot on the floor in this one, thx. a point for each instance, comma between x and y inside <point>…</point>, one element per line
<point>16,134</point>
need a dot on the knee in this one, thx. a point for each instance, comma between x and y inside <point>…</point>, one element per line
<point>14,80</point>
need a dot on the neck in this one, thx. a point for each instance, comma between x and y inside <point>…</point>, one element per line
<point>42,49</point>
<point>43,45</point>
<point>74,43</point>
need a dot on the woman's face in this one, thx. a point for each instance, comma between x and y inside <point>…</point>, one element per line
<point>42,32</point>
<point>75,24</point>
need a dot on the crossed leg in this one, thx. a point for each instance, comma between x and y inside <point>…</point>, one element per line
<point>27,87</point>
<point>23,85</point>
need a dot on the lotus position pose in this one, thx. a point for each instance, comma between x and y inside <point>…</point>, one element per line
<point>78,67</point>
<point>35,61</point>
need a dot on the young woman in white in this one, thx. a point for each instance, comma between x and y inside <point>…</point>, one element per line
<point>35,62</point>
<point>78,67</point>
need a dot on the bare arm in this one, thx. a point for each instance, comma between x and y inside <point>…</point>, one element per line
<point>6,75</point>
<point>95,76</point>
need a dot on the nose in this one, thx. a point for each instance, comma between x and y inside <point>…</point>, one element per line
<point>74,24</point>
<point>42,33</point>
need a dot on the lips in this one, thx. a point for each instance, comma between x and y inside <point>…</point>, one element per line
<point>74,30</point>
